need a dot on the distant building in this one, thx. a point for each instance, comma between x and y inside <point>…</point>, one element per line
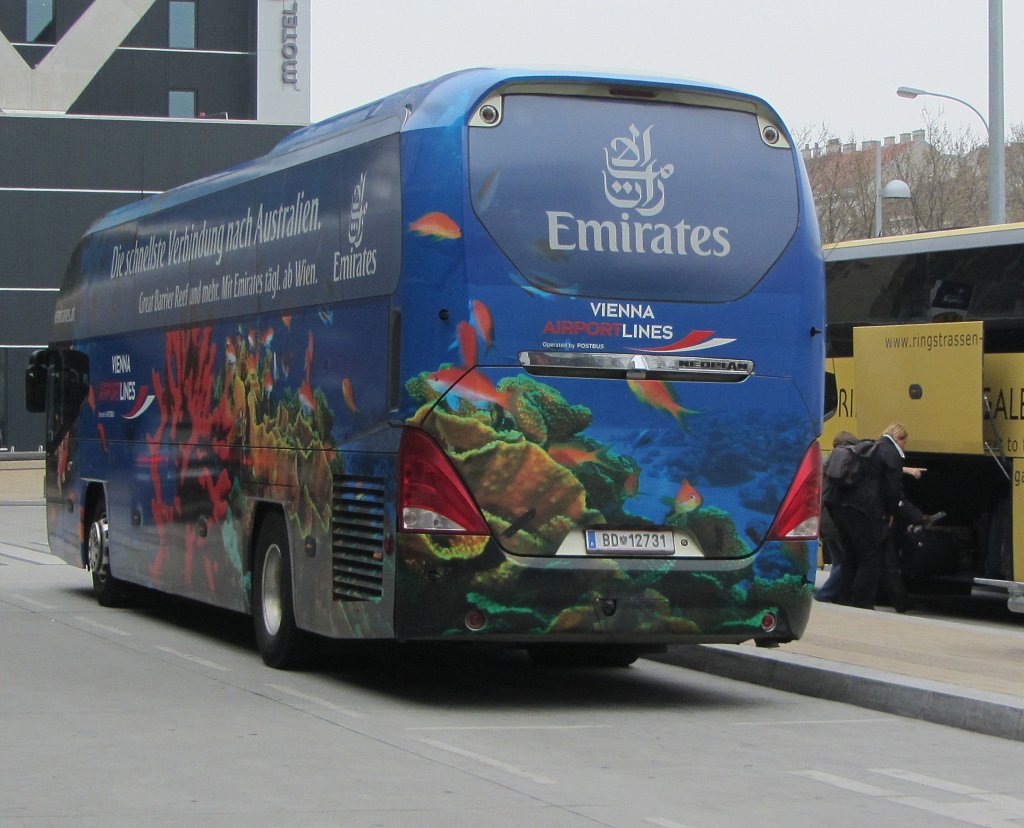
<point>103,102</point>
<point>842,177</point>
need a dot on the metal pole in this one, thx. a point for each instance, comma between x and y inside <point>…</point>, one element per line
<point>878,191</point>
<point>996,132</point>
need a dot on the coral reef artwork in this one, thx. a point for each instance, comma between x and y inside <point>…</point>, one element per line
<point>213,399</point>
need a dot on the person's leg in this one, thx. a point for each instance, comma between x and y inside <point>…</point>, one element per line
<point>891,579</point>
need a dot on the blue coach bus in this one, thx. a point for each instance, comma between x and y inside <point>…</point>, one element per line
<point>530,358</point>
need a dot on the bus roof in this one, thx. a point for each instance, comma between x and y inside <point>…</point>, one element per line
<point>439,102</point>
<point>459,91</point>
<point>961,239</point>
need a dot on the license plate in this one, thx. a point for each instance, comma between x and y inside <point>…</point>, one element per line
<point>655,542</point>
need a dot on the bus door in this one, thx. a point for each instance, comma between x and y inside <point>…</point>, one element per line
<point>1004,409</point>
<point>57,383</point>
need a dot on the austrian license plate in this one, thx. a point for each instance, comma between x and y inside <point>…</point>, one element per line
<point>655,542</point>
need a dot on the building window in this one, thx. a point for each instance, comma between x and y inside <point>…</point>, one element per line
<point>39,26</point>
<point>182,24</point>
<point>181,103</point>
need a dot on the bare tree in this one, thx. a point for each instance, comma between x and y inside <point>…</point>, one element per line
<point>947,174</point>
<point>1015,174</point>
<point>840,181</point>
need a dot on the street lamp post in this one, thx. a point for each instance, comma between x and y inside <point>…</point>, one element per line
<point>911,92</point>
<point>894,189</point>
<point>996,140</point>
<point>996,137</point>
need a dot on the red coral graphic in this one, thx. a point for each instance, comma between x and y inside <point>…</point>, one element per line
<point>199,433</point>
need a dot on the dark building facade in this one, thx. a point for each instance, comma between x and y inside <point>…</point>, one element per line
<point>103,102</point>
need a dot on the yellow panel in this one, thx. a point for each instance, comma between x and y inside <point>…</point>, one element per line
<point>1004,374</point>
<point>927,376</point>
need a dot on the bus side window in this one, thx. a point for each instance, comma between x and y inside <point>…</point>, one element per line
<point>56,382</point>
<point>831,394</point>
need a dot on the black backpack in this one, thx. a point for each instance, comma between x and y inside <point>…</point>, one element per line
<point>849,465</point>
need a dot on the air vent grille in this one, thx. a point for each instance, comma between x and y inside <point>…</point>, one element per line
<point>357,541</point>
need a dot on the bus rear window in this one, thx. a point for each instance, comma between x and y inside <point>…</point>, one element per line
<point>633,200</point>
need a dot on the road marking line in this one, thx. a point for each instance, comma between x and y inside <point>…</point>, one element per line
<point>844,783</point>
<point>99,626</point>
<point>983,813</point>
<point>664,823</point>
<point>316,700</point>
<point>20,559</point>
<point>194,659</point>
<point>928,781</point>
<point>38,604</point>
<point>491,762</point>
<point>510,727</point>
<point>988,810</point>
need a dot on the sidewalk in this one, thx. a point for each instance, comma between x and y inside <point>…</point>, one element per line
<point>951,672</point>
<point>21,481</point>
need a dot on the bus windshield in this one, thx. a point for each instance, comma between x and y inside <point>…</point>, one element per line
<point>693,191</point>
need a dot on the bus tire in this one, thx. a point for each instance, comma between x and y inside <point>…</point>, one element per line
<point>108,590</point>
<point>281,643</point>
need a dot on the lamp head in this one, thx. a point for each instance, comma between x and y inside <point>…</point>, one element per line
<point>896,189</point>
<point>909,92</point>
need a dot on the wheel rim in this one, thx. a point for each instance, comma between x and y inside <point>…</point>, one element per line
<point>97,550</point>
<point>272,589</point>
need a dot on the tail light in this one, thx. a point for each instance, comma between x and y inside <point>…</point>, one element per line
<point>432,496</point>
<point>798,517</point>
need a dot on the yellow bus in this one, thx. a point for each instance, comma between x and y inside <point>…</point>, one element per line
<point>928,329</point>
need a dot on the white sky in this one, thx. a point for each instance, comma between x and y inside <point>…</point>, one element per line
<point>835,63</point>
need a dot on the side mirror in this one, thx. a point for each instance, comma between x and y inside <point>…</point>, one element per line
<point>35,381</point>
<point>56,383</point>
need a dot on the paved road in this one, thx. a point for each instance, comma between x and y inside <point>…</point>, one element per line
<point>163,714</point>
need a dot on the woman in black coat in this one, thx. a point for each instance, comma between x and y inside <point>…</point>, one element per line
<point>864,517</point>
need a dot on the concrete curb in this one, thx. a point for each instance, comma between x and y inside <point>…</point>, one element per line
<point>994,714</point>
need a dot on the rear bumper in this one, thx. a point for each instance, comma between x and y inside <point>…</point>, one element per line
<point>516,599</point>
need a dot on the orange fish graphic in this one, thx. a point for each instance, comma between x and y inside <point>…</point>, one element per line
<point>268,383</point>
<point>473,387</point>
<point>309,356</point>
<point>482,321</point>
<point>467,344</point>
<point>349,395</point>
<point>631,485</point>
<point>687,499</point>
<point>437,225</point>
<point>306,396</point>
<point>572,456</point>
<point>659,395</point>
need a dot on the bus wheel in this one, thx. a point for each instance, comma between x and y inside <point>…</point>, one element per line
<point>281,643</point>
<point>108,590</point>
